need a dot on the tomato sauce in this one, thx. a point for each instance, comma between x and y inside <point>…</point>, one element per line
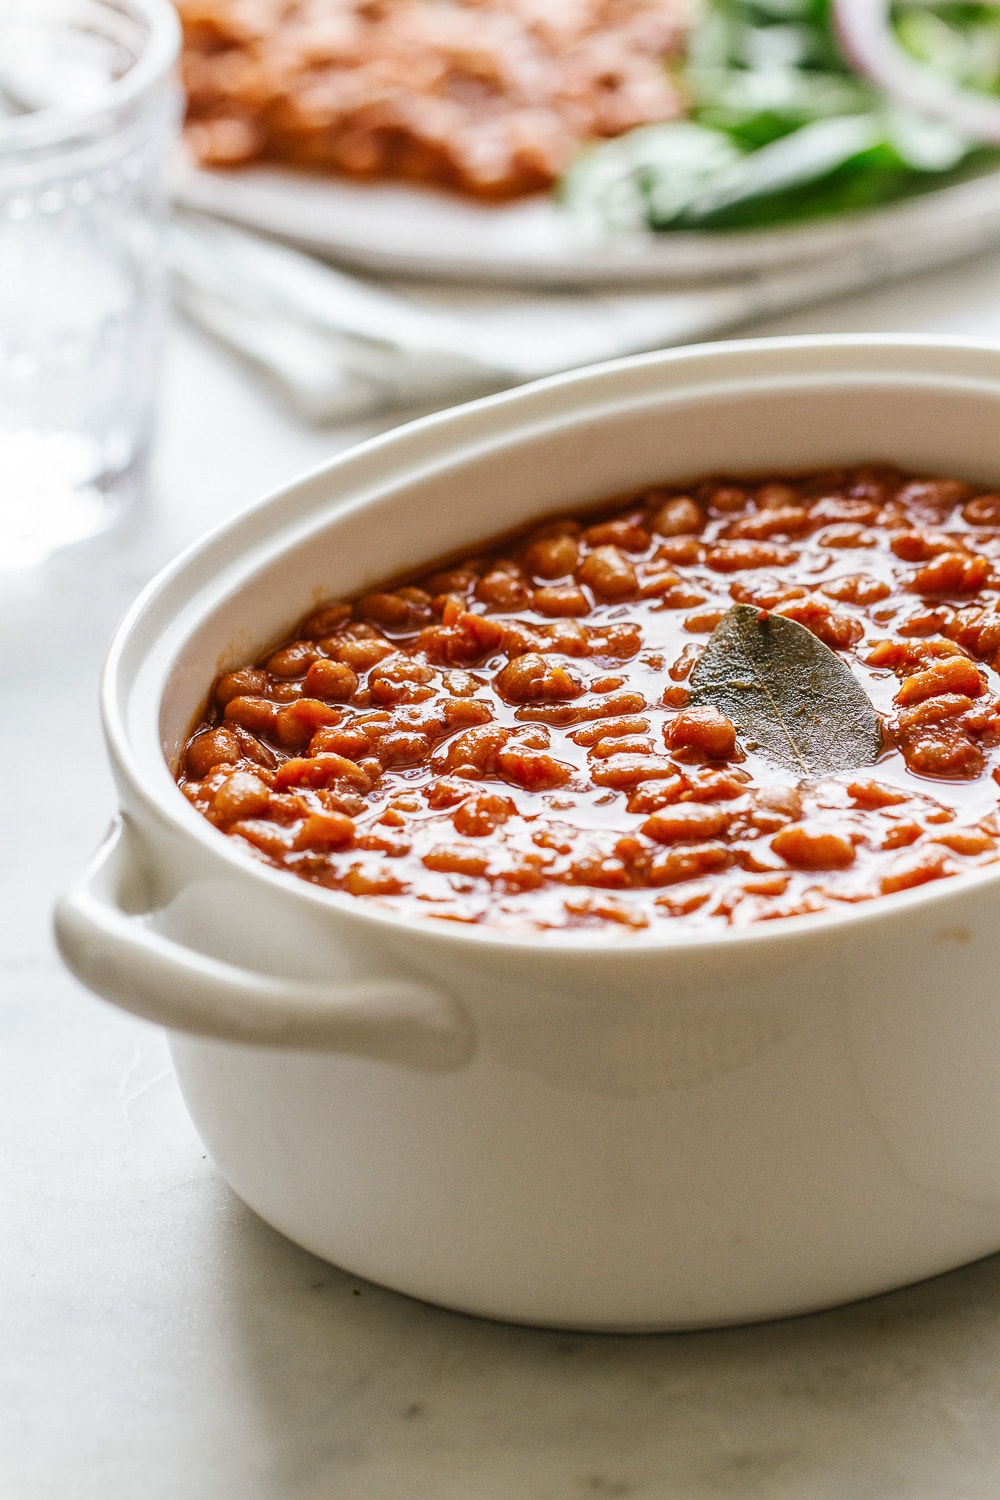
<point>509,739</point>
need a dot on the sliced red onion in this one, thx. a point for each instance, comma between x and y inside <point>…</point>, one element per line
<point>866,35</point>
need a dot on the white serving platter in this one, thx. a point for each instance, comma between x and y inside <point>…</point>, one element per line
<point>399,229</point>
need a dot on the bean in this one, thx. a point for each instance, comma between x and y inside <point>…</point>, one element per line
<point>325,830</point>
<point>934,709</point>
<point>857,588</point>
<point>480,815</point>
<point>654,585</point>
<point>734,556</point>
<point>627,771</point>
<point>552,556</point>
<point>681,669</point>
<point>812,846</point>
<point>561,599</point>
<point>930,864</point>
<point>984,510</point>
<point>686,822</point>
<point>704,730</point>
<point>944,752</point>
<point>292,661</point>
<point>785,521</point>
<point>402,747</point>
<point>476,751</point>
<point>604,729</point>
<point>918,546</point>
<point>678,517</point>
<point>841,509</point>
<point>333,681</point>
<point>241,795</point>
<point>703,621</point>
<point>865,793</point>
<point>650,796</point>
<point>533,677</point>
<point>321,770</point>
<point>375,880</point>
<point>776,496</point>
<point>901,835</point>
<point>503,590</point>
<point>933,494</point>
<point>360,655</point>
<point>458,581</point>
<point>839,632</point>
<point>326,621</point>
<point>296,723</point>
<point>535,769</point>
<point>609,573</point>
<point>949,674</point>
<point>632,744</point>
<point>398,679</point>
<point>680,552</point>
<point>247,682</point>
<point>847,536</point>
<point>727,499</point>
<point>951,573</point>
<point>627,533</point>
<point>400,610</point>
<point>456,859</point>
<point>689,863</point>
<point>709,784</point>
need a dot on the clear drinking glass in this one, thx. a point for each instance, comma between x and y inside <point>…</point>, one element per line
<point>89,105</point>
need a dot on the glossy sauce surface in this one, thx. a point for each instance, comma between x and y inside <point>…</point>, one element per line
<point>508,739</point>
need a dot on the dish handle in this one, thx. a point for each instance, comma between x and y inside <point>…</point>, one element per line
<point>117,953</point>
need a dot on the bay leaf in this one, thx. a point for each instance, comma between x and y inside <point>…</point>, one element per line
<point>792,699</point>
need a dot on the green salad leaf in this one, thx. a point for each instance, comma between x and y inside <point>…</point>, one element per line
<point>781,130</point>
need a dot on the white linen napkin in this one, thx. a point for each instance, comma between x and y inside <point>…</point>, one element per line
<point>339,347</point>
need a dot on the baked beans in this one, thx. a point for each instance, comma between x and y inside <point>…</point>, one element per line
<point>490,97</point>
<point>509,738</point>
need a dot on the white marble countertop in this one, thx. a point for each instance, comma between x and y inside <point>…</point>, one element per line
<point>158,1342</point>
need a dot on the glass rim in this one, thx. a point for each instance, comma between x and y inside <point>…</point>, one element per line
<point>57,126</point>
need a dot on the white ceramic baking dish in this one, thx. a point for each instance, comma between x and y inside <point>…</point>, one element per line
<point>590,1130</point>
